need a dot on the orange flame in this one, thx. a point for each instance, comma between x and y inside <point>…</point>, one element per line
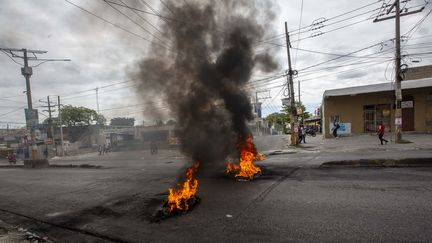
<point>178,199</point>
<point>248,154</point>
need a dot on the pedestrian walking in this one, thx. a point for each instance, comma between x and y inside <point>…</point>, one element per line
<point>380,132</point>
<point>335,128</point>
<point>100,149</point>
<point>153,148</point>
<point>46,152</point>
<point>302,134</point>
<point>104,149</point>
<point>108,148</point>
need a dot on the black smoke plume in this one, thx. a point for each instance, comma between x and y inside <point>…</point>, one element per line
<point>202,73</point>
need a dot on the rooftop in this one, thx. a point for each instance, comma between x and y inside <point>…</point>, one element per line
<point>381,87</point>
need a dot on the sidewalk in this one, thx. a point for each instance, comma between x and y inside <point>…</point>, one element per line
<point>366,147</point>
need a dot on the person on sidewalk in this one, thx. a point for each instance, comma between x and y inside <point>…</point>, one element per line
<point>302,134</point>
<point>380,132</point>
<point>336,126</point>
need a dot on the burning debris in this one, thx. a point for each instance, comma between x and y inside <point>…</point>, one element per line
<point>202,77</point>
<point>182,198</point>
<point>246,169</point>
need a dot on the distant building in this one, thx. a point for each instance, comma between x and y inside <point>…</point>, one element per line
<point>360,109</point>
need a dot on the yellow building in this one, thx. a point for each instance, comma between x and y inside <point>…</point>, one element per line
<point>360,109</point>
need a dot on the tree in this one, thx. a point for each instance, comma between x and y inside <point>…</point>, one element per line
<point>171,122</point>
<point>75,116</point>
<point>278,118</point>
<point>100,119</point>
<point>122,121</point>
<point>53,119</point>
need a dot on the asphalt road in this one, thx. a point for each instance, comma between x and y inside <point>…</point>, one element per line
<point>289,202</point>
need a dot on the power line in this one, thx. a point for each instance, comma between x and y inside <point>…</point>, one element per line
<point>107,91</point>
<point>143,11</point>
<point>348,54</point>
<point>298,36</point>
<point>148,22</point>
<point>322,20</point>
<point>139,25</point>
<point>411,32</point>
<point>113,24</point>
<point>12,58</point>
<point>166,6</point>
<point>100,87</point>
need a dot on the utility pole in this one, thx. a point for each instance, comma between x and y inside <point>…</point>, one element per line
<point>397,132</point>
<point>398,92</point>
<point>51,123</point>
<point>61,127</point>
<point>97,99</point>
<point>290,85</point>
<point>27,71</point>
<point>299,101</point>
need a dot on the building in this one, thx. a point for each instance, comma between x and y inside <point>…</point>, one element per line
<point>360,109</point>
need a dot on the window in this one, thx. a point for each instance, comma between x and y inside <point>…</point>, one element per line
<point>373,115</point>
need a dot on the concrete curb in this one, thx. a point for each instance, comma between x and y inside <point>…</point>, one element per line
<point>278,152</point>
<point>409,162</point>
<point>38,163</point>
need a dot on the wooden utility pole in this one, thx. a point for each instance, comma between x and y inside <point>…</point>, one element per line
<point>97,99</point>
<point>61,127</point>
<point>51,123</point>
<point>397,132</point>
<point>27,71</point>
<point>398,78</point>
<point>293,117</point>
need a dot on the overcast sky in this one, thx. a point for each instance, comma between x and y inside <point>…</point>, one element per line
<point>101,53</point>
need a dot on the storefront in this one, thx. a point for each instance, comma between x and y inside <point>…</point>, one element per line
<point>362,108</point>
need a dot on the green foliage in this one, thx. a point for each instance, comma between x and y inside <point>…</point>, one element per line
<point>100,119</point>
<point>278,118</point>
<point>123,121</point>
<point>75,116</point>
<point>171,122</point>
<point>46,121</point>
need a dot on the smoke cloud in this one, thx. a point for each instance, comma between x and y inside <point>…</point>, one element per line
<point>201,74</point>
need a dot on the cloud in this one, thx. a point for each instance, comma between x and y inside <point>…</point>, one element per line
<point>352,75</point>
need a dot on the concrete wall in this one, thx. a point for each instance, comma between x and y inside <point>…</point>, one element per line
<point>418,72</point>
<point>350,109</point>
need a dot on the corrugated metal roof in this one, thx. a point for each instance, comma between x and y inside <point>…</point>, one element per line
<point>381,87</point>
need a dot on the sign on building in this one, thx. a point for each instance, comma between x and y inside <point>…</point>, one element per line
<point>407,104</point>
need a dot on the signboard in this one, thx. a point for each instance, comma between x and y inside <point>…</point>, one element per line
<point>398,121</point>
<point>286,101</point>
<point>299,110</point>
<point>32,118</point>
<point>344,128</point>
<point>48,141</point>
<point>14,145</point>
<point>407,104</point>
<point>258,109</point>
<point>173,141</point>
